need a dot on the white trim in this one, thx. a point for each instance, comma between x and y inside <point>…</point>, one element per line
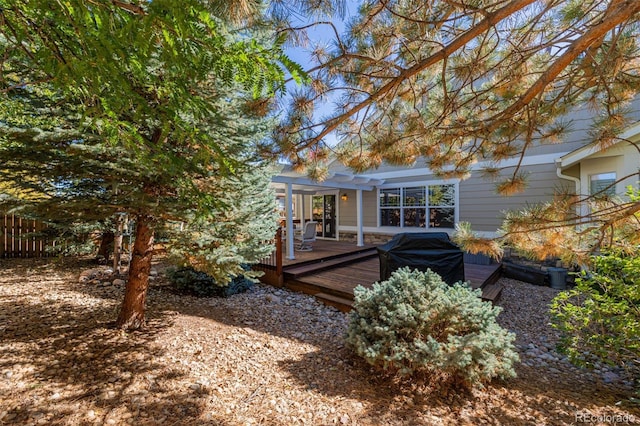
<point>325,184</point>
<point>289,212</point>
<point>580,207</point>
<point>332,180</point>
<point>418,183</point>
<point>359,219</point>
<point>281,191</point>
<point>392,230</point>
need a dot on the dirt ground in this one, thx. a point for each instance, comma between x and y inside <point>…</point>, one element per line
<point>268,356</point>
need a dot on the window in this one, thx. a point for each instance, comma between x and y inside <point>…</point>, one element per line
<point>603,184</point>
<point>441,206</point>
<point>429,206</point>
<point>390,207</point>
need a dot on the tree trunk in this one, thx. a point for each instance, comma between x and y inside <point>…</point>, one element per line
<point>117,243</point>
<point>105,245</point>
<point>132,311</point>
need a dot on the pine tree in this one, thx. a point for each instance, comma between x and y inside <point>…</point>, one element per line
<point>158,88</point>
<point>452,84</point>
<point>457,82</point>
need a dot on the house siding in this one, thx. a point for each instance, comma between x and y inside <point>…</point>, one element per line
<point>622,159</point>
<point>484,209</point>
<point>369,208</point>
<point>478,202</point>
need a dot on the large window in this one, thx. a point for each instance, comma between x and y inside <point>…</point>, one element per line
<point>429,206</point>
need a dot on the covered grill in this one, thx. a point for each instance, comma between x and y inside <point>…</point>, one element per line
<point>422,251</point>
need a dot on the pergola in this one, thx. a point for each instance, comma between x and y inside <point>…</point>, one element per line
<point>290,182</point>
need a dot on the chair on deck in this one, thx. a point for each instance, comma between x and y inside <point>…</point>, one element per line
<point>308,237</point>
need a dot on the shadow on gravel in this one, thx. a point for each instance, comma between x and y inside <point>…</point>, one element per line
<point>61,363</point>
<point>334,371</point>
<point>525,400</point>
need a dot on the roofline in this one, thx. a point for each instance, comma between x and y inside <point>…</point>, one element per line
<point>581,153</point>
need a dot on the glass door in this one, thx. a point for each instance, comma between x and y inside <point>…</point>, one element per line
<point>324,212</point>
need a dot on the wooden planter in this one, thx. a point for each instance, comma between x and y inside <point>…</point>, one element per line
<point>525,273</point>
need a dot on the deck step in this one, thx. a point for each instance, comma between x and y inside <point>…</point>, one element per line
<point>312,268</point>
<point>495,276</point>
<point>492,292</point>
<point>340,303</point>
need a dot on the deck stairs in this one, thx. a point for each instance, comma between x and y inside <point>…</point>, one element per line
<point>314,266</point>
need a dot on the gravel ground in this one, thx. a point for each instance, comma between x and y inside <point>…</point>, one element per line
<point>268,356</point>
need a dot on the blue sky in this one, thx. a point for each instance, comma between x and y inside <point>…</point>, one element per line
<point>322,34</point>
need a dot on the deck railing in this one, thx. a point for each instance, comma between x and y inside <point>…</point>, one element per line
<point>272,265</point>
<point>22,237</point>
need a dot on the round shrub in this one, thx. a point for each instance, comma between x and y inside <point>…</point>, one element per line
<point>414,324</point>
<point>189,281</point>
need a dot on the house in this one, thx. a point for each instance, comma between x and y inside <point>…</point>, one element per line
<point>373,206</point>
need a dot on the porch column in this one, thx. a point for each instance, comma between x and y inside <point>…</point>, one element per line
<point>302,219</point>
<point>359,218</point>
<point>289,210</point>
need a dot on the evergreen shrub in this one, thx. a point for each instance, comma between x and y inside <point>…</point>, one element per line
<point>599,319</point>
<point>190,281</point>
<point>414,324</point>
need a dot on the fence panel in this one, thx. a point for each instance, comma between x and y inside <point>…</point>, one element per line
<point>19,237</point>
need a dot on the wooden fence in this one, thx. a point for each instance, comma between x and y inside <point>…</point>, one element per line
<point>22,237</point>
<point>272,265</point>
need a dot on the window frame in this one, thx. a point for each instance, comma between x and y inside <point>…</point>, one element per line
<point>426,206</point>
<point>611,192</point>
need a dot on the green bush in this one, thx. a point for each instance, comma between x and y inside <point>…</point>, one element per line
<point>599,319</point>
<point>196,283</point>
<point>414,324</point>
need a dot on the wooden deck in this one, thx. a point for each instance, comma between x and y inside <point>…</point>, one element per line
<point>333,269</point>
<point>323,249</point>
<point>344,279</point>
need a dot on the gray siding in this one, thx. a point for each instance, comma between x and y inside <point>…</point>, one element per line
<point>478,202</point>
<point>347,208</point>
<point>369,208</point>
<point>484,209</point>
<point>578,134</point>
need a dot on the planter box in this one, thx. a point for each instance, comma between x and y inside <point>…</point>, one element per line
<point>525,273</point>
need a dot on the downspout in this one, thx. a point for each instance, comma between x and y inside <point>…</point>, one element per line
<point>580,207</point>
